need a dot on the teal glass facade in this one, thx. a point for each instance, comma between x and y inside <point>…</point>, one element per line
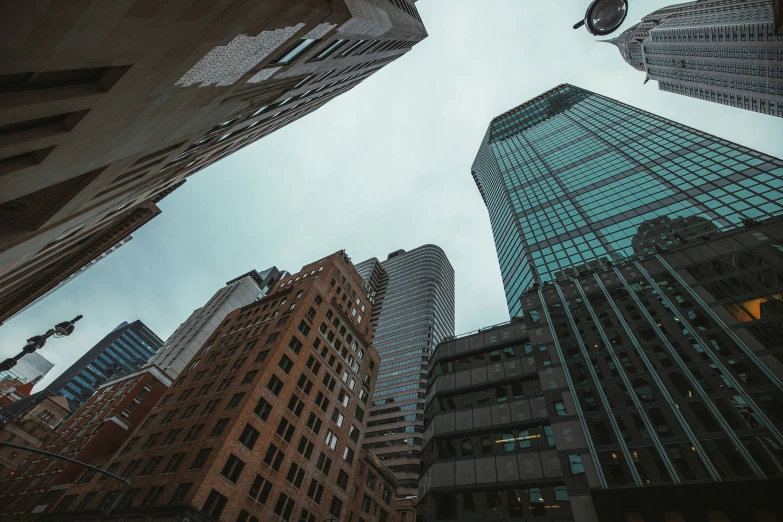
<point>569,177</point>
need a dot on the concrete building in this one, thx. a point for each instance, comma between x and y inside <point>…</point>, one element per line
<point>124,350</point>
<point>644,390</point>
<point>110,112</point>
<point>31,367</point>
<point>184,343</point>
<point>569,176</point>
<point>713,50</point>
<point>268,418</point>
<point>32,428</point>
<point>413,309</point>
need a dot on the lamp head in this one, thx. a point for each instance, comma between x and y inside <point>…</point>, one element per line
<point>604,16</point>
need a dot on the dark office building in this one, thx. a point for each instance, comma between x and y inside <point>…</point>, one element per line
<point>569,176</point>
<point>644,391</point>
<point>126,349</point>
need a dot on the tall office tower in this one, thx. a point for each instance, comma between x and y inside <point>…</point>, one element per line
<point>31,367</point>
<point>186,340</point>
<point>267,420</point>
<point>569,176</point>
<point>124,350</point>
<point>105,116</point>
<point>716,50</point>
<point>413,310</point>
<point>647,390</point>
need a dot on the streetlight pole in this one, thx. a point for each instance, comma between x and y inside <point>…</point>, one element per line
<point>113,501</point>
<point>36,342</point>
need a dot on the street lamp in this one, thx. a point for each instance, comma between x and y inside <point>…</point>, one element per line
<point>37,342</point>
<point>604,16</point>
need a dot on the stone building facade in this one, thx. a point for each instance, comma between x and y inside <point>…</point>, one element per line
<point>107,110</point>
<point>268,417</point>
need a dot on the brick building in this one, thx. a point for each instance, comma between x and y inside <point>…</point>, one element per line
<point>268,417</point>
<point>107,108</point>
<point>32,428</point>
<point>93,434</point>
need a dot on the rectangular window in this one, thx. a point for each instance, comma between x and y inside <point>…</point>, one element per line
<point>314,423</point>
<point>295,405</point>
<point>315,491</point>
<point>304,384</point>
<point>285,430</point>
<point>174,462</point>
<point>342,480</point>
<point>286,364</point>
<point>305,447</point>
<point>244,516</point>
<point>294,51</point>
<point>348,455</point>
<point>193,433</point>
<point>232,469</point>
<point>260,490</point>
<point>284,507</point>
<point>249,437</point>
<point>275,385</point>
<point>336,507</point>
<point>313,365</point>
<point>304,328</point>
<point>235,400</point>
<point>274,457</point>
<point>150,467</point>
<point>180,493</point>
<point>201,459</point>
<point>171,437</point>
<point>295,475</point>
<point>261,356</point>
<point>249,376</point>
<point>272,337</point>
<point>295,345</point>
<point>219,428</point>
<point>152,496</point>
<point>263,409</point>
<point>214,505</point>
<point>324,464</point>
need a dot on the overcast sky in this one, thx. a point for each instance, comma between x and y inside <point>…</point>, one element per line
<point>383,167</point>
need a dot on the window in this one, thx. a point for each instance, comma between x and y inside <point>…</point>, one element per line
<point>342,480</point>
<point>336,507</point>
<point>168,417</point>
<point>575,464</point>
<point>244,516</point>
<point>272,337</point>
<point>354,434</point>
<point>235,400</point>
<point>150,442</point>
<point>209,408</point>
<point>263,409</point>
<point>286,364</point>
<point>386,495</point>
<point>261,356</point>
<point>331,439</point>
<point>282,321</point>
<point>294,51</point>
<point>275,385</point>
<point>193,433</point>
<point>233,468</point>
<point>274,457</point>
<point>224,384</point>
<point>180,493</point>
<point>189,411</point>
<point>171,437</point>
<point>314,423</point>
<point>219,428</point>
<point>315,491</point>
<point>150,467</point>
<point>249,437</point>
<point>249,376</point>
<point>313,365</point>
<point>87,476</point>
<point>304,328</point>
<point>371,481</point>
<point>174,462</point>
<point>560,409</point>
<point>152,496</point>
<point>324,464</point>
<point>130,469</point>
<point>295,405</point>
<point>338,418</point>
<point>214,505</point>
<point>260,490</point>
<point>295,475</point>
<point>305,447</point>
<point>348,455</point>
<point>295,345</point>
<point>284,507</point>
<point>285,429</point>
<point>201,459</point>
<point>366,503</point>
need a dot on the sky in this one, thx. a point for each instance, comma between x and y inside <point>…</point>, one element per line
<point>385,166</point>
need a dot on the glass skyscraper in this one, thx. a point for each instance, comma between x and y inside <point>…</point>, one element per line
<point>124,350</point>
<point>413,310</point>
<point>568,178</point>
<point>31,367</point>
<point>641,376</point>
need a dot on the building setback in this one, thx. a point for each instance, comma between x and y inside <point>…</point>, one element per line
<point>646,390</point>
<point>714,50</point>
<point>413,310</point>
<point>569,176</point>
<point>269,416</point>
<point>110,113</point>
<point>124,350</point>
